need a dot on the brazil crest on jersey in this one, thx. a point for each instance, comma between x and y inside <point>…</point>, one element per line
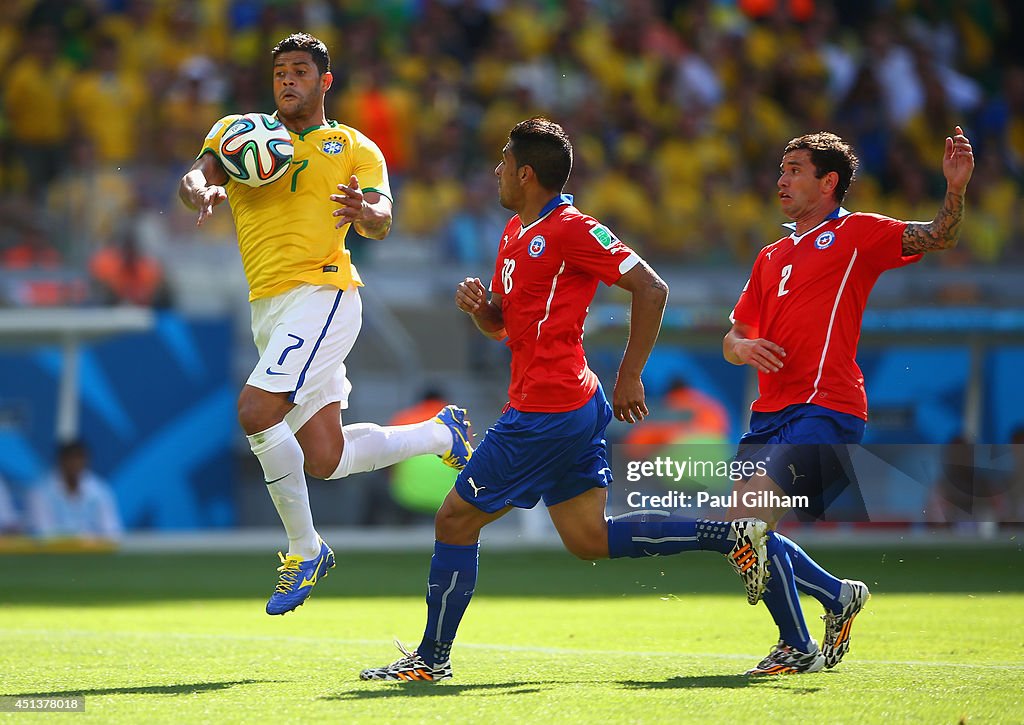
<point>807,293</point>
<point>285,229</point>
<point>547,274</point>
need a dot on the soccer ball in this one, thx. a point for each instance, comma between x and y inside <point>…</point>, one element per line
<point>256,149</point>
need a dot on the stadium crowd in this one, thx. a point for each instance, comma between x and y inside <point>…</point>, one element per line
<point>678,110</point>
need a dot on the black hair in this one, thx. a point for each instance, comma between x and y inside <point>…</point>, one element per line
<point>544,146</point>
<point>306,43</point>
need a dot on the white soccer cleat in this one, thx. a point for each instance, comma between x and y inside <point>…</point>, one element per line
<point>837,626</point>
<point>749,555</point>
<point>410,667</point>
<point>787,660</point>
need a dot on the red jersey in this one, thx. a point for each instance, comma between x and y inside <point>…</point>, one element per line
<point>807,293</point>
<point>547,274</point>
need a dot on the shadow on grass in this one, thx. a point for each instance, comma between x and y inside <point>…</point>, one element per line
<point>385,690</point>
<point>730,682</point>
<point>182,689</point>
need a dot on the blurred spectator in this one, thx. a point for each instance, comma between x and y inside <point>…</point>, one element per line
<point>685,414</point>
<point>108,106</point>
<point>32,250</point>
<point>677,107</point>
<point>475,228</point>
<point>72,501</point>
<point>9,523</point>
<point>382,110</point>
<point>88,200</point>
<point>127,275</point>
<point>37,274</point>
<point>35,94</point>
<point>191,107</point>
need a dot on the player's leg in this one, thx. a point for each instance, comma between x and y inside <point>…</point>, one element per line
<point>280,456</point>
<point>285,330</point>
<point>796,651</point>
<point>576,505</point>
<point>522,456</point>
<point>450,583</point>
<point>589,535</point>
<point>261,415</point>
<point>333,451</point>
<point>816,463</point>
<point>363,447</point>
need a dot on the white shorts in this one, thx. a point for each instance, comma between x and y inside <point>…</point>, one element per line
<point>303,337</point>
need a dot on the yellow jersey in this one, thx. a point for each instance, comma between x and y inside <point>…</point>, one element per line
<point>285,229</point>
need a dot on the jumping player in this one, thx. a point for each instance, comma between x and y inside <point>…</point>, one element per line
<point>306,310</point>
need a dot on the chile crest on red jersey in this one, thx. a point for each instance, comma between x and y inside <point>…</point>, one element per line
<point>807,294</point>
<point>547,274</point>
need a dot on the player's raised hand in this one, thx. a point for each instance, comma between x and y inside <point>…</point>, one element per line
<point>958,161</point>
<point>628,400</point>
<point>206,200</point>
<point>352,203</point>
<point>471,296</point>
<point>762,354</point>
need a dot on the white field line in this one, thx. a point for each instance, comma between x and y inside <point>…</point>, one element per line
<point>56,634</point>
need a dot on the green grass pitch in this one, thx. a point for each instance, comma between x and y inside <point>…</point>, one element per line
<point>184,639</point>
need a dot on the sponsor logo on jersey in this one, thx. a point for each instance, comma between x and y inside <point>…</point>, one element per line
<point>537,245</point>
<point>603,235</point>
<point>824,240</point>
<point>332,147</point>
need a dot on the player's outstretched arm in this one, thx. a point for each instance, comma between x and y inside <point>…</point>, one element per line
<point>471,298</point>
<point>943,232</point>
<point>202,188</point>
<point>650,295</point>
<point>742,346</point>
<point>369,212</point>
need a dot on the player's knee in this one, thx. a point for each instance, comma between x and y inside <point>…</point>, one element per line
<point>453,527</point>
<point>321,468</point>
<point>254,413</point>
<point>446,524</point>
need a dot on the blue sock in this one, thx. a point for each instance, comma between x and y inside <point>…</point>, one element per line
<point>781,598</point>
<point>449,589</point>
<point>812,579</point>
<point>648,533</point>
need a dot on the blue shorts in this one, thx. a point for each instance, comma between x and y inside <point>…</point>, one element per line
<point>804,449</point>
<point>525,457</point>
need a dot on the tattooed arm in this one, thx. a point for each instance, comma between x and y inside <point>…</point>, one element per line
<point>944,230</point>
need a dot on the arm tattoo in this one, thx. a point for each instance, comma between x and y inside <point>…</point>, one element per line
<point>940,233</point>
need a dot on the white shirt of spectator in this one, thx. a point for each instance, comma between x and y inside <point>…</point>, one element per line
<point>91,512</point>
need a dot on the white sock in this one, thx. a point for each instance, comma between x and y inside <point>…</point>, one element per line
<point>369,446</point>
<point>281,457</point>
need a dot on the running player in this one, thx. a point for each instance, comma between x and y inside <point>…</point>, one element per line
<point>306,310</point>
<point>550,441</point>
<point>798,323</point>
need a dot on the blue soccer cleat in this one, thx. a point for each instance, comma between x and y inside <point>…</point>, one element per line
<point>462,450</point>
<point>297,578</point>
